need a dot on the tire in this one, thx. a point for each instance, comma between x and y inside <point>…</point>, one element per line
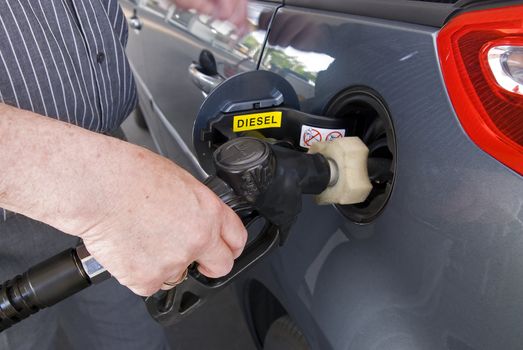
<point>140,119</point>
<point>285,335</point>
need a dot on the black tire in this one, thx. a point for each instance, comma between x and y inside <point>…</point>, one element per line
<point>140,119</point>
<point>285,335</point>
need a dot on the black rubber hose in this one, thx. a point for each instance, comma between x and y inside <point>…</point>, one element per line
<point>41,286</point>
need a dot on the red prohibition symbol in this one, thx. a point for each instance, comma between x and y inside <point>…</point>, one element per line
<point>333,135</point>
<point>310,136</point>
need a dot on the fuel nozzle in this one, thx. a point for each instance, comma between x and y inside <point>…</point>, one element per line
<point>350,183</point>
<point>273,178</point>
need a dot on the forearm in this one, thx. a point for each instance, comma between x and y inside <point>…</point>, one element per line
<point>58,173</point>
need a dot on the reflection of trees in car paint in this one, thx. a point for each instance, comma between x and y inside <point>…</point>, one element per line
<point>220,34</point>
<point>295,52</point>
<point>278,60</point>
<point>300,68</point>
<point>251,45</point>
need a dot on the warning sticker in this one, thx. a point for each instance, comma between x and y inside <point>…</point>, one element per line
<point>257,121</point>
<point>311,134</point>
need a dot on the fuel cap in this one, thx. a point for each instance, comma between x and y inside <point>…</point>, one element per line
<point>246,164</point>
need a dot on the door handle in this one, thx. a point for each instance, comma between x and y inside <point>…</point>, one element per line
<point>203,81</point>
<point>135,22</point>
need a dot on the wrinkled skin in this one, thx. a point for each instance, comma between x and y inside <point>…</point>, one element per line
<point>161,221</point>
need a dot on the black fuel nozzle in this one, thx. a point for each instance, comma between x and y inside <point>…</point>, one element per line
<point>271,178</point>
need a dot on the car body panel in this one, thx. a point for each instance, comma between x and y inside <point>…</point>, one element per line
<point>433,13</point>
<point>441,266</point>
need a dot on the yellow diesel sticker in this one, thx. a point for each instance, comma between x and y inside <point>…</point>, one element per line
<point>256,121</point>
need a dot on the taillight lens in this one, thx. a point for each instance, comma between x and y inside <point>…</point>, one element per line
<point>481,55</point>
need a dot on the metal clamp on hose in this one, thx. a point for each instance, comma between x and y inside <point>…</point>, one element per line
<point>41,286</point>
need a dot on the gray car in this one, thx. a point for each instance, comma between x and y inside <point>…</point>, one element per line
<point>433,259</point>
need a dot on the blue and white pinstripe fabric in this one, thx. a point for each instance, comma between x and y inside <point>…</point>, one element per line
<point>66,59</point>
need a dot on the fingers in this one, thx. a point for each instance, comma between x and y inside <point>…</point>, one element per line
<point>172,282</point>
<point>238,16</point>
<point>203,6</point>
<point>166,287</point>
<point>234,11</point>
<point>218,259</point>
<point>216,262</point>
<point>233,232</point>
<point>225,9</point>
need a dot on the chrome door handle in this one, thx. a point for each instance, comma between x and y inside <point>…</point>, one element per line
<point>135,22</point>
<point>204,82</point>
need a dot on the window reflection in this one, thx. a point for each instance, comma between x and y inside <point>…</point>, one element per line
<point>298,50</point>
<point>306,65</point>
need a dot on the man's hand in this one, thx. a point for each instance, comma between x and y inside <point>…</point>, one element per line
<point>141,216</point>
<point>235,11</point>
<point>160,220</point>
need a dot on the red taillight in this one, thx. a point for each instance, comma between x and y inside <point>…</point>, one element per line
<point>481,55</point>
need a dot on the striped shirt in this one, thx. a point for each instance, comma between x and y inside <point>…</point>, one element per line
<point>65,59</point>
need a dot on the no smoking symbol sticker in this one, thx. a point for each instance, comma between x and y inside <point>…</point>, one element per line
<point>310,136</point>
<point>333,135</point>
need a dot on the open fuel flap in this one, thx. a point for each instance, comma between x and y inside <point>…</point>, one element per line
<point>264,105</point>
<point>258,104</point>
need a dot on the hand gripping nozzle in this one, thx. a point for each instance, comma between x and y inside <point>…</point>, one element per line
<point>262,182</point>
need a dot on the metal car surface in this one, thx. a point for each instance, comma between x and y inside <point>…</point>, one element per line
<point>440,267</point>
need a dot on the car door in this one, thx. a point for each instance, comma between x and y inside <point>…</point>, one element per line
<point>170,80</point>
